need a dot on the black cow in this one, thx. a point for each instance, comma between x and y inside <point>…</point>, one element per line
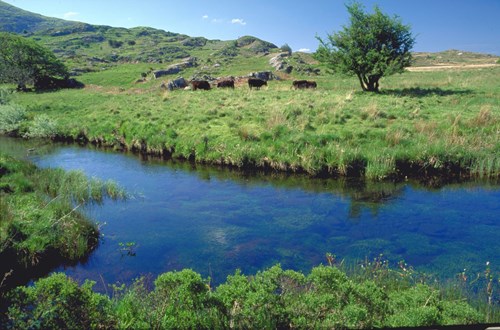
<point>301,84</point>
<point>226,83</point>
<point>257,83</point>
<point>200,84</point>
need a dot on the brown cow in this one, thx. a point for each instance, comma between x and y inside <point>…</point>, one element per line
<point>301,84</point>
<point>226,83</point>
<point>200,84</point>
<point>257,83</point>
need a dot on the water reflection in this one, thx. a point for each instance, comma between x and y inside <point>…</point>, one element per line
<point>217,220</point>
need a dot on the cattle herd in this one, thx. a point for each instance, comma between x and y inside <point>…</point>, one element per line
<point>252,83</point>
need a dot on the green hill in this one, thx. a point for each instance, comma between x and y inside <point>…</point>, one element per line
<point>16,20</point>
<point>452,57</point>
<point>94,48</point>
<point>86,48</point>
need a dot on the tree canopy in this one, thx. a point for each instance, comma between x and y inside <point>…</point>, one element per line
<point>23,61</point>
<point>372,46</point>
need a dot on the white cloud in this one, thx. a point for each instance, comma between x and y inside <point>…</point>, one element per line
<point>205,17</point>
<point>70,14</point>
<point>238,21</point>
<point>304,50</point>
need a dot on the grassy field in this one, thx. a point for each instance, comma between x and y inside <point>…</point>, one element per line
<point>421,123</point>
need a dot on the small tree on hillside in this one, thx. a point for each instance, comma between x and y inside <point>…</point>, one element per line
<point>372,46</point>
<point>23,61</point>
<point>286,48</point>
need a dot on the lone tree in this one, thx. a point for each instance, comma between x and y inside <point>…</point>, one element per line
<point>372,46</point>
<point>23,61</point>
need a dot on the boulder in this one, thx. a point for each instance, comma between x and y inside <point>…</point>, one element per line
<point>264,75</point>
<point>170,70</point>
<point>177,84</point>
<point>175,68</point>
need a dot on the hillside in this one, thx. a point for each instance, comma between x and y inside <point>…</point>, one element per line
<point>85,47</point>
<point>452,57</point>
<point>16,20</point>
<point>94,48</point>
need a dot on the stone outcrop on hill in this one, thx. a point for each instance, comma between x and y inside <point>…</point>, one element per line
<point>278,62</point>
<point>175,68</point>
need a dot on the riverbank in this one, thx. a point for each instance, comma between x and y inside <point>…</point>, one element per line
<point>442,123</point>
<point>41,226</point>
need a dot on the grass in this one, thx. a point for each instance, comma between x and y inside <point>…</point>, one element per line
<point>443,123</point>
<point>40,222</point>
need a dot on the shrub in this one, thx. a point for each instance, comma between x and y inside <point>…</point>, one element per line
<point>180,300</point>
<point>23,61</point>
<point>57,302</point>
<point>274,298</point>
<point>286,48</point>
<point>115,43</point>
<point>5,96</point>
<point>422,305</point>
<point>42,127</point>
<point>11,118</point>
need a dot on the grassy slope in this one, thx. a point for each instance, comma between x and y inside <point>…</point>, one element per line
<point>13,19</point>
<point>452,57</point>
<point>432,121</point>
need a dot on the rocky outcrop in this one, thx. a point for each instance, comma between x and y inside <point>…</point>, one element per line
<point>264,75</point>
<point>279,62</point>
<point>175,68</point>
<point>179,83</point>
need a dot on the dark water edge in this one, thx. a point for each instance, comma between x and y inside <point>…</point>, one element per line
<point>215,220</point>
<point>449,171</point>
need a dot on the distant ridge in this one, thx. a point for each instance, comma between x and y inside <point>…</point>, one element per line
<point>16,20</point>
<point>88,47</point>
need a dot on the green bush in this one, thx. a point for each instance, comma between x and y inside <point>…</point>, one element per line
<point>11,117</point>
<point>5,96</point>
<point>275,298</point>
<point>42,127</point>
<point>115,43</point>
<point>422,306</point>
<point>57,302</point>
<point>180,300</point>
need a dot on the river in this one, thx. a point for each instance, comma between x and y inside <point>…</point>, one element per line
<point>218,220</point>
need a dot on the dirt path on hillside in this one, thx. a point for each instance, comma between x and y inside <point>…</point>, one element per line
<point>451,67</point>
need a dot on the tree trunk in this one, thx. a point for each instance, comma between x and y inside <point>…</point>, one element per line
<point>370,83</point>
<point>361,82</point>
<point>373,83</point>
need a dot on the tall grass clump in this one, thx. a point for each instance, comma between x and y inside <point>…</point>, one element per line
<point>42,126</point>
<point>40,218</point>
<point>11,118</point>
<point>380,168</point>
<point>5,96</point>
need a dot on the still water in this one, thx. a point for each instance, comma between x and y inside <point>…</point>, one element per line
<point>215,221</point>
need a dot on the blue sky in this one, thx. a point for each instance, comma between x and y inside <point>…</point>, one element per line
<point>468,25</point>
